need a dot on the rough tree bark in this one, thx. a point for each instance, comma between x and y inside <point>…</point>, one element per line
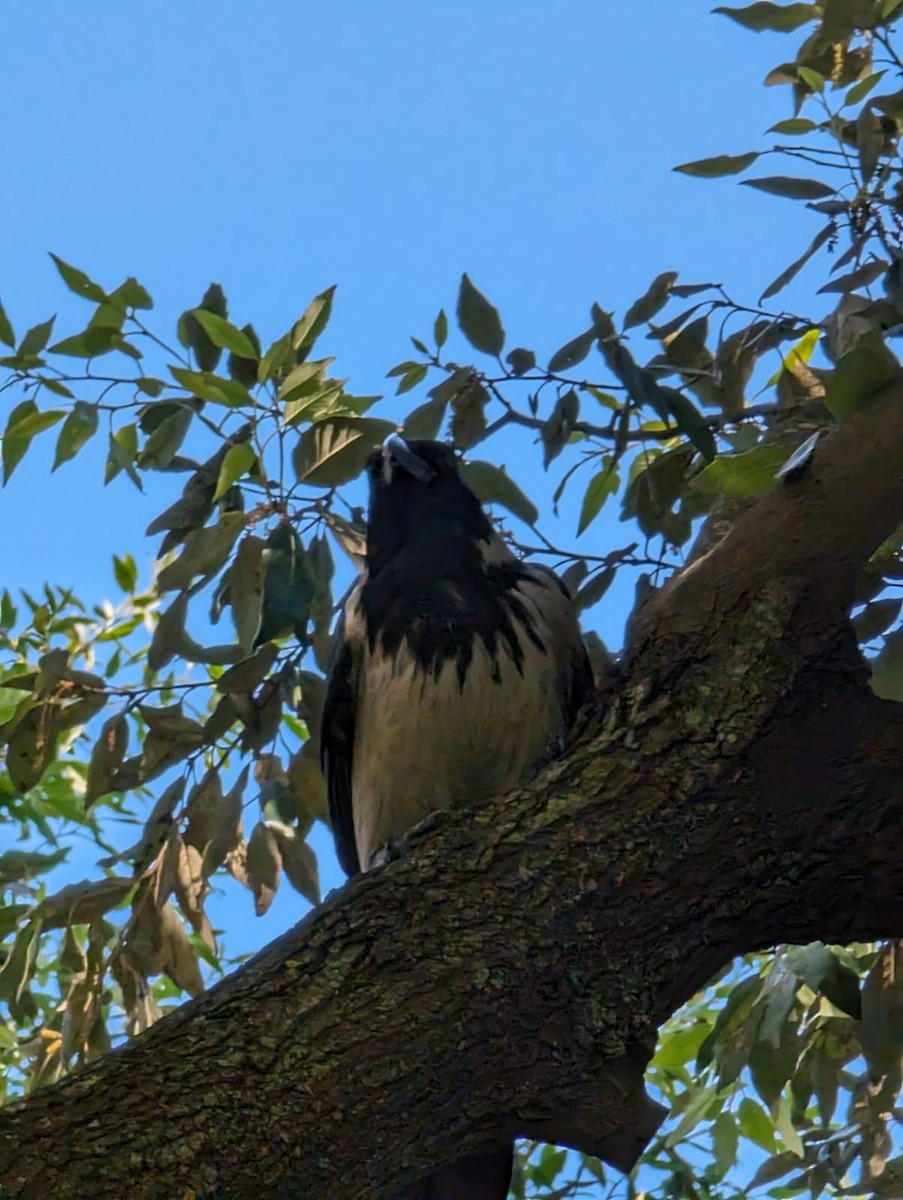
<point>508,974</point>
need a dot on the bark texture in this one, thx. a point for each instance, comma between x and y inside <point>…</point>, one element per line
<point>507,975</point>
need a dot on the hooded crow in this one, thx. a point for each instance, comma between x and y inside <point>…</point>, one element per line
<point>457,669</point>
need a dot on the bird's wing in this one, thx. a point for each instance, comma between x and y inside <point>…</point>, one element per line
<point>559,628</point>
<point>337,745</point>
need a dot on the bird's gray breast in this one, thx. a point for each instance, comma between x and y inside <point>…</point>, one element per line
<point>429,739</point>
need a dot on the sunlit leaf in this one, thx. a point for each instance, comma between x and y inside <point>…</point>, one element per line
<point>77,281</point>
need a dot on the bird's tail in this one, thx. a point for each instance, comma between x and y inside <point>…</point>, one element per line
<point>485,1176</point>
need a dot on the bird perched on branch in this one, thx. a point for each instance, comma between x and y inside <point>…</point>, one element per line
<point>457,670</point>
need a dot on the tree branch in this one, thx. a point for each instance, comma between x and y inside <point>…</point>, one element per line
<point>509,972</point>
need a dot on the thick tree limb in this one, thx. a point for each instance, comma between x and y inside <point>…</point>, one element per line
<point>508,974</point>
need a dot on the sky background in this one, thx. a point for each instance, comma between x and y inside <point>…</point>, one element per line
<point>279,148</point>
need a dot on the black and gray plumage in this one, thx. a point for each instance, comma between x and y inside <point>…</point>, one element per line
<point>457,670</point>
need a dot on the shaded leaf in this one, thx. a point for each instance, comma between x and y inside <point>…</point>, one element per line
<point>426,420</point>
<point>792,270</point>
<point>859,374</point>
<point>107,756</point>
<point>860,278</point>
<point>7,336</point>
<point>783,18</point>
<point>720,164</point>
<point>204,553</point>
<point>298,861</point>
<point>520,361</point>
<point>440,329</point>
<point>572,352</point>
<point>478,320</point>
<point>790,187</point>
<point>334,451</point>
<point>653,299</point>
<point>246,591</point>
<point>492,485</point>
<point>80,425</point>
<point>264,862</point>
<point>559,426</point>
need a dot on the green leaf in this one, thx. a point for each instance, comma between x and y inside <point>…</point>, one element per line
<point>57,388</point>
<point>478,320</point>
<point>244,370</point>
<point>790,272</point>
<point>860,278</point>
<point>814,80</point>
<point>90,343</point>
<point>31,424</point>
<point>593,591</point>
<point>791,187</point>
<point>440,329</point>
<point>823,971</point>
<point>164,442</point>
<point>6,330</point>
<point>725,1142</point>
<point>239,459</point>
<point>774,1168</point>
<point>783,18</point>
<point>169,634</point>
<point>121,455</point>
<point>131,294</point>
<point>794,126</point>
<point>80,425</point>
<point>559,426</point>
<point>224,334</point>
<point>749,474</point>
<point>410,380</point>
<point>312,322</point>
<point>603,484</point>
<point>14,445</point>
<point>207,386</point>
<point>754,1124</point>
<point>860,90</point>
<point>859,374</point>
<point>246,591</point>
<point>334,451</point>
<point>193,335</point>
<point>288,585</point>
<point>426,420</point>
<point>77,281</point>
<point>653,299</point>
<point>720,164</point>
<point>205,551</point>
<point>125,571</point>
<point>572,352</point>
<point>520,360</point>
<point>491,484</point>
<point>36,339</point>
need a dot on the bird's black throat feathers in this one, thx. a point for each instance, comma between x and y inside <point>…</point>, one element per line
<point>430,579</point>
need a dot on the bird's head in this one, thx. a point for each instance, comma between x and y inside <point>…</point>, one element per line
<point>416,495</point>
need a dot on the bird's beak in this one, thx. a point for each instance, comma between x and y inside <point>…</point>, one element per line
<point>396,450</point>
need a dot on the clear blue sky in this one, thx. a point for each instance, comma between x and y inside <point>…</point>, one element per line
<point>282,147</point>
